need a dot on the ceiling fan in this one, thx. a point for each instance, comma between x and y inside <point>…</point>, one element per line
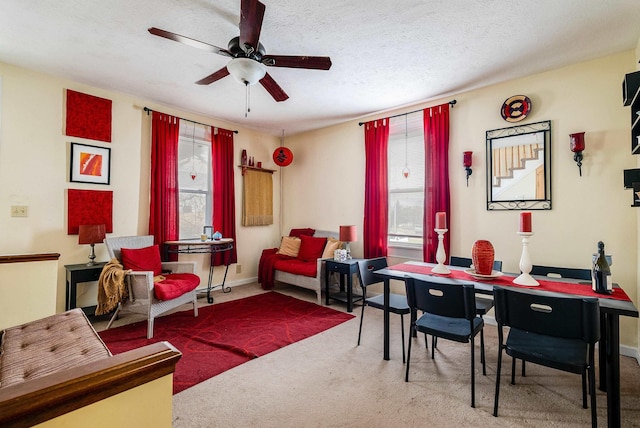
<point>249,57</point>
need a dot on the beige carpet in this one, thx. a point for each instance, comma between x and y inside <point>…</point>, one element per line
<point>328,381</point>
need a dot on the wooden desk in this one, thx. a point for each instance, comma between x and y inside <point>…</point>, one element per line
<point>610,312</point>
<point>196,246</point>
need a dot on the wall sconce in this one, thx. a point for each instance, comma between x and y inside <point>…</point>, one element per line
<point>466,161</point>
<point>91,234</point>
<point>348,234</point>
<point>577,146</point>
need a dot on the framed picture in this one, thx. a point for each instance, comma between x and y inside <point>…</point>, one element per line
<point>90,164</point>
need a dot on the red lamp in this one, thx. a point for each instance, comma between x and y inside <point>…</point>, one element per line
<point>348,234</point>
<point>467,161</point>
<point>91,234</point>
<point>577,146</point>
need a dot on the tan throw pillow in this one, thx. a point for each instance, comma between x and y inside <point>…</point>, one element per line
<point>332,245</point>
<point>290,246</point>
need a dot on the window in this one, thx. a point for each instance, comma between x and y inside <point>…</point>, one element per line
<point>194,179</point>
<point>406,194</point>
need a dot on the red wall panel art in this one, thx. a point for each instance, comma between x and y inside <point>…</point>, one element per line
<point>89,207</point>
<point>88,116</point>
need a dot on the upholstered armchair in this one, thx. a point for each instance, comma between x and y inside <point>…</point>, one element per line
<point>176,287</point>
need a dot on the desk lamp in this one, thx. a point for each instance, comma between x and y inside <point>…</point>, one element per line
<point>348,234</point>
<point>91,234</point>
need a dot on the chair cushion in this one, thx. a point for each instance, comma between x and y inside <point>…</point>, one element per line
<point>311,248</point>
<point>142,259</point>
<point>569,355</point>
<point>297,267</point>
<point>456,329</point>
<point>397,303</point>
<point>175,285</point>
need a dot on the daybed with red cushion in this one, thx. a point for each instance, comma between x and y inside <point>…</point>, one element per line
<point>299,260</point>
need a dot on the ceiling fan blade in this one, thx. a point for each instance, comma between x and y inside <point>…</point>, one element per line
<point>223,72</point>
<point>311,62</point>
<point>273,88</point>
<point>189,41</point>
<point>251,15</point>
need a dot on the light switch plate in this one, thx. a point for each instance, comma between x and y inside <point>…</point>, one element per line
<point>19,211</point>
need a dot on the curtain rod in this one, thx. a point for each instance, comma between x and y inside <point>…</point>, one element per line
<point>148,110</point>
<point>451,103</point>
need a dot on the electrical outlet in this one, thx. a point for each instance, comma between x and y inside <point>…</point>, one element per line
<point>19,211</point>
<point>238,268</point>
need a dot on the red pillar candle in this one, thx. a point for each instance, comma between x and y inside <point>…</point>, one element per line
<point>441,220</point>
<point>525,222</point>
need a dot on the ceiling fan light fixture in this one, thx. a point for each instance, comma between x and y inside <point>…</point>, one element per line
<point>246,71</point>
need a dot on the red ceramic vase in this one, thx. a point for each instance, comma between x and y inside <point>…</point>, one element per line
<point>482,255</point>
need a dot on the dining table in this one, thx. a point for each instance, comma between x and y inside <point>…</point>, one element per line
<point>611,308</point>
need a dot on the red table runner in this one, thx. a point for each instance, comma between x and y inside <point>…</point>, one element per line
<point>507,280</point>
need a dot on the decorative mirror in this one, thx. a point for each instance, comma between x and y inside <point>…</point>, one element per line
<point>519,167</point>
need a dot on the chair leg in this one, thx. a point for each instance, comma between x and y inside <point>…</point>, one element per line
<point>592,388</point>
<point>402,331</point>
<point>364,297</point>
<point>497,394</point>
<point>484,366</point>
<point>584,390</point>
<point>115,316</point>
<point>524,374</point>
<point>513,371</point>
<point>406,375</point>
<point>150,328</point>
<point>433,345</point>
<point>473,374</point>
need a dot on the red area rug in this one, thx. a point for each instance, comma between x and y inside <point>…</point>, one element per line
<point>227,334</point>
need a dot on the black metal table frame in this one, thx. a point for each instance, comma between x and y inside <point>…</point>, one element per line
<point>197,247</point>
<point>609,347</point>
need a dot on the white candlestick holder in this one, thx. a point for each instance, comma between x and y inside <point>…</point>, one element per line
<point>441,254</point>
<point>525,263</point>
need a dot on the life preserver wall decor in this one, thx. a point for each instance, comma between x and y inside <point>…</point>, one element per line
<point>515,108</point>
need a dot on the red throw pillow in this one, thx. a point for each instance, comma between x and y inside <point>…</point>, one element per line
<point>142,259</point>
<point>311,248</point>
<point>299,232</point>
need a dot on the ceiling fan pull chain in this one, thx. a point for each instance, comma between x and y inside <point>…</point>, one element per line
<point>247,99</point>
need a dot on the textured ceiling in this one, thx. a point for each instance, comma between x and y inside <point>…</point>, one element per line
<point>386,54</point>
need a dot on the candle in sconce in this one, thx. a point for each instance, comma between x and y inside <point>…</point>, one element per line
<point>441,220</point>
<point>525,222</point>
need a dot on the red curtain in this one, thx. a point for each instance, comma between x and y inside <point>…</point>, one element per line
<point>376,211</point>
<point>163,209</point>
<point>224,205</point>
<point>436,197</point>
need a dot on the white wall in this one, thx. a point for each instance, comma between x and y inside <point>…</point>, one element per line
<point>34,171</point>
<point>582,97</point>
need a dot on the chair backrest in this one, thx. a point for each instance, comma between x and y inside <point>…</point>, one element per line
<point>565,317</point>
<point>115,244</point>
<point>465,262</point>
<point>439,298</point>
<point>366,269</point>
<point>561,272</point>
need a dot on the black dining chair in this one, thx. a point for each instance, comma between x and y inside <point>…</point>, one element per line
<point>484,303</point>
<point>558,272</point>
<point>397,302</point>
<point>555,332</point>
<point>449,312</point>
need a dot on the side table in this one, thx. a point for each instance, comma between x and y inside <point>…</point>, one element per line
<point>77,274</point>
<point>345,269</point>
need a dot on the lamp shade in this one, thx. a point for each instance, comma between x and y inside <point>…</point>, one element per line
<point>91,233</point>
<point>246,70</point>
<point>348,233</point>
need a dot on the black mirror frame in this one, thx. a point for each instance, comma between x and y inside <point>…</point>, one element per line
<point>524,204</point>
